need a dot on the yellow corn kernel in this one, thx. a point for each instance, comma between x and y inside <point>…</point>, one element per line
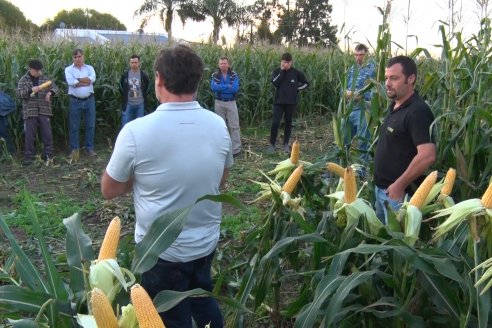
<point>423,190</point>
<point>293,180</point>
<point>147,315</point>
<point>336,169</point>
<point>110,243</point>
<point>102,310</point>
<point>295,152</point>
<point>487,197</point>
<point>449,179</point>
<point>350,186</point>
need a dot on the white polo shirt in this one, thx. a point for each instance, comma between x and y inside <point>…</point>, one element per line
<point>176,155</point>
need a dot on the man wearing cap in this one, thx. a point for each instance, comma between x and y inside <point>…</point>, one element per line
<point>35,91</point>
<point>80,79</point>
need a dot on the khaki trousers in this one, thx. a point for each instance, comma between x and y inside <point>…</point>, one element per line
<point>228,111</point>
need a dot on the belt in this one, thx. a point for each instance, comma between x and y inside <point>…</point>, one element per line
<point>81,98</point>
<point>226,100</point>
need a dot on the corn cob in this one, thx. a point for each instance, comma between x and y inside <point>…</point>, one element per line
<point>423,190</point>
<point>350,187</point>
<point>102,310</point>
<point>449,179</point>
<point>293,180</point>
<point>147,315</point>
<point>335,168</point>
<point>43,86</point>
<point>110,243</point>
<point>487,197</point>
<point>294,154</point>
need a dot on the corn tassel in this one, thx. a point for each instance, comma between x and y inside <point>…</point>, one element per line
<point>336,169</point>
<point>487,198</point>
<point>448,182</point>
<point>293,180</point>
<point>109,245</point>
<point>102,310</point>
<point>423,190</point>
<point>350,187</point>
<point>147,315</point>
<point>294,154</point>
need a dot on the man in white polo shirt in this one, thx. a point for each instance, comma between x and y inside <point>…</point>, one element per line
<point>169,159</point>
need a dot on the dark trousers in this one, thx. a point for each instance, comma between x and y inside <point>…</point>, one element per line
<point>4,134</point>
<point>278,112</point>
<point>181,277</point>
<point>31,125</point>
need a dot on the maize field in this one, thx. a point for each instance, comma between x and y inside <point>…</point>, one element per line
<point>316,255</point>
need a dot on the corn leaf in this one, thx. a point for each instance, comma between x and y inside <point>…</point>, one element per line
<point>79,251</point>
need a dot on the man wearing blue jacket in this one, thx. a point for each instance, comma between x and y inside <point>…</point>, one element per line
<point>225,85</point>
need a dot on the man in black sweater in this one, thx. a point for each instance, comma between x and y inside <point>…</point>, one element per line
<point>287,81</point>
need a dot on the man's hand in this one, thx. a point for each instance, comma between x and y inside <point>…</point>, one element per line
<point>85,80</point>
<point>36,89</point>
<point>48,97</point>
<point>395,192</point>
<point>282,66</point>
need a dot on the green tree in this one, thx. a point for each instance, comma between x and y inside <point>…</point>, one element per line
<point>164,9</point>
<point>81,18</point>
<point>11,18</point>
<point>308,23</point>
<point>218,10</point>
<point>242,20</point>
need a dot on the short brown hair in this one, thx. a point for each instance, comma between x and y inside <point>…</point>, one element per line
<point>181,69</point>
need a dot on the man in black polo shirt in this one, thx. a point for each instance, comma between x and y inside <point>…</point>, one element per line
<point>406,146</point>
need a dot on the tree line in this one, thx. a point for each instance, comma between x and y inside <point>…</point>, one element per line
<point>295,23</point>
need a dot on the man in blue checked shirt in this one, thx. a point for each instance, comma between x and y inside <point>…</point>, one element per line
<point>359,75</point>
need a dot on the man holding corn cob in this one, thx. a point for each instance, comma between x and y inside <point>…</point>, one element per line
<point>359,77</point>
<point>35,90</point>
<point>80,79</point>
<point>406,146</point>
<point>170,158</point>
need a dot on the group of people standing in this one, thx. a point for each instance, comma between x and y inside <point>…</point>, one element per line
<point>181,151</point>
<point>36,91</point>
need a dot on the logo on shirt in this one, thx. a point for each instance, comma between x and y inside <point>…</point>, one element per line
<point>390,129</point>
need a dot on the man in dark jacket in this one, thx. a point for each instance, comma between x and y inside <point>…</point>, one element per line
<point>288,81</point>
<point>134,86</point>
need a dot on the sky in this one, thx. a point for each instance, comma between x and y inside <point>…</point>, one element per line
<point>359,18</point>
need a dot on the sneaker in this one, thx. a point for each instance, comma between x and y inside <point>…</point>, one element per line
<point>74,155</point>
<point>286,148</point>
<point>91,153</point>
<point>271,149</point>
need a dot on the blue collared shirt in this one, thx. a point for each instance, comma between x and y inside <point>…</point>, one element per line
<point>73,73</point>
<point>361,75</point>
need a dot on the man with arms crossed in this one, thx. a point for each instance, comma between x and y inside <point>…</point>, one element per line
<point>80,79</point>
<point>406,146</point>
<point>225,84</point>
<point>169,159</point>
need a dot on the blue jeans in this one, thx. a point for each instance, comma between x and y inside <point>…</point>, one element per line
<point>131,112</point>
<point>381,197</point>
<point>359,131</point>
<point>185,276</point>
<point>78,107</point>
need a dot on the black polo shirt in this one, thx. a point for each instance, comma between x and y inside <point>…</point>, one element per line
<point>402,131</point>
